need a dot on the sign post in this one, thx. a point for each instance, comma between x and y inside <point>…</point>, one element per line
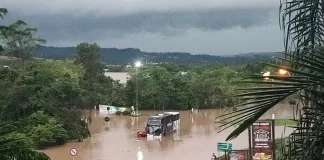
<point>262,140</point>
<point>223,147</point>
<point>73,152</point>
<point>108,109</point>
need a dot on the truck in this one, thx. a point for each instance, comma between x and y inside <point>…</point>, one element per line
<point>107,109</point>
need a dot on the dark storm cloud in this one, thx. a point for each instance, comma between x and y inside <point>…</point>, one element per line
<point>92,27</point>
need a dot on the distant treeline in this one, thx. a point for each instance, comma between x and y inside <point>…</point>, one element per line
<point>115,56</point>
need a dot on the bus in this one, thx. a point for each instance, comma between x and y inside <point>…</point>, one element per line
<point>162,124</point>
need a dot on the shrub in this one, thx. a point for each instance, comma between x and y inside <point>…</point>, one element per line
<point>44,130</point>
<point>127,113</point>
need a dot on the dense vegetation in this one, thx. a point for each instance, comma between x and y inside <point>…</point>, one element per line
<point>184,87</point>
<point>114,56</point>
<point>14,143</point>
<point>42,101</point>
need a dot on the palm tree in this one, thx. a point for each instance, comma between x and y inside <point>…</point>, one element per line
<point>15,148</point>
<point>303,24</point>
<point>3,11</point>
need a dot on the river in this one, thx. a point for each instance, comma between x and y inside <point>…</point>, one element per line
<point>197,138</point>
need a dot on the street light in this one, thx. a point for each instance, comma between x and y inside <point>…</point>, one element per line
<point>283,72</point>
<point>266,75</point>
<point>137,65</point>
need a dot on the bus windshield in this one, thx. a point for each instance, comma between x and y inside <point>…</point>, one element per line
<point>154,122</point>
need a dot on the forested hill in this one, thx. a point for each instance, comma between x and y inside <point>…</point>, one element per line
<point>126,56</point>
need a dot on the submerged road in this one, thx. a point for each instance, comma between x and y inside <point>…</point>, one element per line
<point>197,138</point>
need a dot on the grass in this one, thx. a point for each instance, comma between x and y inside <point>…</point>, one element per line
<point>278,122</point>
<point>283,122</point>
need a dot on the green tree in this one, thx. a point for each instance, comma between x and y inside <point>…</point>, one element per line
<point>206,88</point>
<point>44,130</point>
<point>118,97</point>
<point>88,56</point>
<point>13,146</point>
<point>177,87</point>
<point>3,12</point>
<point>302,23</point>
<point>46,90</point>
<point>20,40</point>
<point>97,88</point>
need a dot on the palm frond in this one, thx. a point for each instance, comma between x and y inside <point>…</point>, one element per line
<point>302,23</point>
<point>307,140</point>
<point>261,99</point>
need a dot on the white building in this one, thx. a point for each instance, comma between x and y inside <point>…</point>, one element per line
<point>122,77</point>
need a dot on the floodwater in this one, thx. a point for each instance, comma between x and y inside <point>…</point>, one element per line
<point>197,138</point>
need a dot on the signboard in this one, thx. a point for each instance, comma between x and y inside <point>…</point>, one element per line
<point>261,138</point>
<point>107,119</point>
<point>223,147</point>
<point>104,109</point>
<point>73,151</point>
<point>237,155</point>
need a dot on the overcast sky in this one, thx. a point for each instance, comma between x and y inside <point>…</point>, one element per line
<point>219,27</point>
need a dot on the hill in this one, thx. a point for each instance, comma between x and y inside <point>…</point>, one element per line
<point>115,56</point>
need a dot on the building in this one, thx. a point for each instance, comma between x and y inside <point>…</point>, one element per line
<point>122,77</point>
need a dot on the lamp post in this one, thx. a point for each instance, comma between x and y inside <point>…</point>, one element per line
<point>281,72</point>
<point>137,65</point>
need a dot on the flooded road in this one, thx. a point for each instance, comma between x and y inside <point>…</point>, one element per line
<point>197,138</point>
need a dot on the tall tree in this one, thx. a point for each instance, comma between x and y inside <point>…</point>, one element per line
<point>3,12</point>
<point>88,57</point>
<point>20,40</point>
<point>97,87</point>
<point>302,21</point>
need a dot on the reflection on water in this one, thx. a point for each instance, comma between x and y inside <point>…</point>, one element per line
<point>197,138</point>
<point>139,152</point>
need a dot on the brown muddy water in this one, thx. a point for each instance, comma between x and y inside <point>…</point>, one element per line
<point>197,138</point>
